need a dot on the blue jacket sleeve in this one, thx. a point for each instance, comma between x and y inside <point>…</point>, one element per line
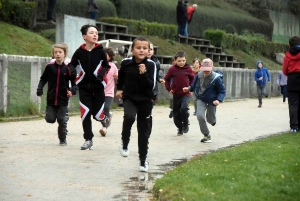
<point>221,91</point>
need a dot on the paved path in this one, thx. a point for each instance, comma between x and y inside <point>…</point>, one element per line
<point>34,167</point>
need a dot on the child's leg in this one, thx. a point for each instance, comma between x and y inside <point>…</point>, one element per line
<point>284,92</point>
<point>50,114</point>
<point>85,101</point>
<point>130,110</point>
<point>259,94</point>
<point>184,110</point>
<point>293,108</point>
<point>61,112</point>
<point>201,109</point>
<point>144,126</point>
<point>264,91</point>
<point>211,114</point>
<point>176,112</point>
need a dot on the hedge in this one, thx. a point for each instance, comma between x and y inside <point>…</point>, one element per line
<point>17,12</point>
<point>143,27</point>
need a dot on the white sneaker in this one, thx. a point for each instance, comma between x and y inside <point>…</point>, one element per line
<point>103,131</point>
<point>145,167</point>
<point>124,152</point>
<point>109,119</point>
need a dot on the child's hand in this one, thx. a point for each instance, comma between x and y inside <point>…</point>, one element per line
<point>119,94</point>
<point>171,92</point>
<point>162,81</point>
<point>69,94</point>
<point>185,89</point>
<point>142,68</point>
<point>216,102</point>
<point>260,78</point>
<point>115,75</point>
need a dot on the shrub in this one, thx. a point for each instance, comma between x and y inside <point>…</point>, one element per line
<point>142,27</point>
<point>17,12</point>
<point>215,36</point>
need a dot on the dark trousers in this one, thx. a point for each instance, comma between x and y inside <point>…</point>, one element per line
<point>143,112</point>
<point>93,15</point>
<point>51,5</point>
<point>261,90</point>
<point>58,113</point>
<point>108,101</point>
<point>181,110</point>
<point>181,28</point>
<point>91,103</point>
<point>283,91</point>
<point>294,109</point>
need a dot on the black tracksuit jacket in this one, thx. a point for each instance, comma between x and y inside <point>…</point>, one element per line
<point>93,66</point>
<point>135,86</point>
<point>58,77</point>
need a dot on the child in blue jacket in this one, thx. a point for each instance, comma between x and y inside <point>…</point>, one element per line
<point>209,89</point>
<point>260,76</point>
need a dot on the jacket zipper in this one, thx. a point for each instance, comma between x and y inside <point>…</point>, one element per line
<point>57,85</point>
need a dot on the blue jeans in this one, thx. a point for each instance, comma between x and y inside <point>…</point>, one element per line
<point>93,15</point>
<point>181,28</point>
<point>186,29</point>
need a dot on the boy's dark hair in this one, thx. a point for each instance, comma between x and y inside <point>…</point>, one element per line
<point>140,38</point>
<point>294,40</point>
<point>179,54</point>
<point>110,53</point>
<point>85,28</point>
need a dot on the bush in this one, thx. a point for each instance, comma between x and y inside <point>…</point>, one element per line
<point>142,27</point>
<point>215,36</point>
<point>17,12</point>
<point>229,28</point>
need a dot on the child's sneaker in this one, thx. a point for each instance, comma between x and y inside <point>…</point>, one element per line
<point>87,145</point>
<point>185,128</point>
<point>179,133</point>
<point>103,131</point>
<point>144,166</point>
<point>294,130</point>
<point>124,152</point>
<point>171,114</point>
<point>206,139</point>
<point>195,113</point>
<point>62,142</point>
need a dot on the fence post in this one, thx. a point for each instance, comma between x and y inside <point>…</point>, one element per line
<point>34,81</point>
<point>3,82</point>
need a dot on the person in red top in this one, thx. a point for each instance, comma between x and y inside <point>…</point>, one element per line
<point>190,13</point>
<point>181,75</point>
<point>291,68</point>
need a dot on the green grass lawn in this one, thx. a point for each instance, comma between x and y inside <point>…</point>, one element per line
<point>267,169</point>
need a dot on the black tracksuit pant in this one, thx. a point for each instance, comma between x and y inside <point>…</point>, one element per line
<point>142,110</point>
<point>91,103</point>
<point>181,110</point>
<point>294,108</point>
<point>58,113</point>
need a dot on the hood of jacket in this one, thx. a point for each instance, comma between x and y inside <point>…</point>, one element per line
<point>259,61</point>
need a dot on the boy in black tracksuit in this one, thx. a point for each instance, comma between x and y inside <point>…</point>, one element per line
<point>135,84</point>
<point>57,74</point>
<point>91,81</point>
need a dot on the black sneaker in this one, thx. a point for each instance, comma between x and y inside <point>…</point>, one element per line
<point>171,114</point>
<point>63,142</point>
<point>213,124</point>
<point>185,128</point>
<point>179,133</point>
<point>87,145</point>
<point>206,139</point>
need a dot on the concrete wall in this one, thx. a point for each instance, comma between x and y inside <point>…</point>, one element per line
<point>285,25</point>
<point>68,31</point>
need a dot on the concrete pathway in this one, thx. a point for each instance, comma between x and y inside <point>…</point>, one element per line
<point>34,167</point>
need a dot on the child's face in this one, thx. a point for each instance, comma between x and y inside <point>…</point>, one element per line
<point>140,50</point>
<point>260,65</point>
<point>206,73</point>
<point>91,36</point>
<point>196,66</point>
<point>59,55</point>
<point>151,51</point>
<point>180,61</point>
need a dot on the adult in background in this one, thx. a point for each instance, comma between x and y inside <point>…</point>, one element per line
<point>51,5</point>
<point>190,13</point>
<point>93,9</point>
<point>181,14</point>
